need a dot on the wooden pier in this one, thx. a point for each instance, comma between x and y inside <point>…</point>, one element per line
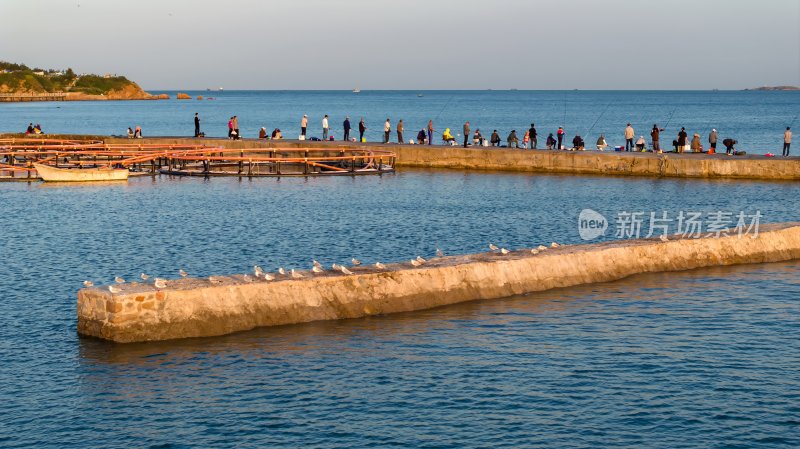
<point>55,96</point>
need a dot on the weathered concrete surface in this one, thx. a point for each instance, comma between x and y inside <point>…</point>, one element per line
<point>683,165</point>
<point>196,307</point>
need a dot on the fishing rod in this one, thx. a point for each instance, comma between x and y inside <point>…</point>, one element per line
<point>444,107</point>
<point>597,120</point>
<point>670,117</point>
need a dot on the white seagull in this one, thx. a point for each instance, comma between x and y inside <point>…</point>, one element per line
<point>336,267</point>
<point>504,251</point>
<point>534,251</point>
<point>160,283</point>
<point>113,289</point>
<point>268,277</point>
<point>281,271</point>
<point>296,274</point>
<point>183,273</point>
<point>346,271</point>
<point>88,284</point>
<point>317,269</point>
<point>439,253</point>
<point>493,248</point>
<point>421,260</point>
<point>554,245</point>
<point>415,262</point>
<point>316,264</point>
<point>119,280</point>
<point>380,266</point>
<point>541,248</point>
<point>258,271</point>
<point>144,277</point>
<point>663,238</point>
<point>355,261</point>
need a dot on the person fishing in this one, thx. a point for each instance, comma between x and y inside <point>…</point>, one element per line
<point>655,136</point>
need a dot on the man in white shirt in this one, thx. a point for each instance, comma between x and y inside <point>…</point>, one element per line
<point>325,127</point>
<point>387,128</point>
<point>304,126</point>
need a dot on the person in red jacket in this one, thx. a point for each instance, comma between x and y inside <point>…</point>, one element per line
<point>560,136</point>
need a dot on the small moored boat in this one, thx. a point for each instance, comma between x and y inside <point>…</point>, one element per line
<point>53,174</point>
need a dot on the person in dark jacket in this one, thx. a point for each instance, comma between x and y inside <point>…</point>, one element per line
<point>512,139</point>
<point>577,143</point>
<point>655,136</point>
<point>551,141</point>
<point>729,146</point>
<point>346,126</point>
<point>421,136</point>
<point>682,139</point>
<point>196,124</point>
<point>495,139</point>
<point>532,133</point>
<point>362,127</point>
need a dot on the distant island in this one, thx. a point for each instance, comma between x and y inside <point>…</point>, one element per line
<point>776,88</point>
<point>23,80</point>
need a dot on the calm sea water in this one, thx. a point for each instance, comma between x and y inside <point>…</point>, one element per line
<point>707,358</point>
<point>756,119</point>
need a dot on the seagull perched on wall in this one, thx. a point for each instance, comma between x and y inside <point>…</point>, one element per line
<point>160,283</point>
<point>246,278</point>
<point>258,271</point>
<point>113,289</point>
<point>355,261</point>
<point>88,284</point>
<point>336,267</point>
<point>144,277</point>
<point>296,274</point>
<point>317,269</point>
<point>493,248</point>
<point>663,238</point>
<point>119,280</point>
<point>380,266</point>
<point>416,263</point>
<point>346,271</point>
<point>316,264</point>
<point>542,248</point>
<point>268,277</point>
<point>439,253</point>
<point>504,251</point>
<point>554,245</point>
<point>183,273</point>
<point>420,259</point>
<point>534,251</point>
<point>281,271</point>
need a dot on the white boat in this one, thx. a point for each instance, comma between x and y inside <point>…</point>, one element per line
<point>356,91</point>
<point>53,174</point>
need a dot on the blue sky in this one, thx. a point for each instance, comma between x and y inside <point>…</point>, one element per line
<point>413,44</point>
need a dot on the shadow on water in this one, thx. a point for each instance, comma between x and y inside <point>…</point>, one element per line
<point>642,293</point>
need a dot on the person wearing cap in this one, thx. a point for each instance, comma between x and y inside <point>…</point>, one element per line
<point>346,126</point>
<point>629,137</point>
<point>303,126</point>
<point>640,144</point>
<point>712,141</point>
<point>787,141</point>
<point>362,128</point>
<point>696,146</point>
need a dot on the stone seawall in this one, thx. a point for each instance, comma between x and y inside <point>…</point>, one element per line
<point>685,165</point>
<point>545,161</point>
<point>198,307</point>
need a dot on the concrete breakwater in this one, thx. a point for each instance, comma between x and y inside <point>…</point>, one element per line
<point>680,165</point>
<point>204,307</point>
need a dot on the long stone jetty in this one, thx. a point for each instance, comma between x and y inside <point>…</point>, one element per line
<point>678,165</point>
<point>221,305</point>
<point>608,163</point>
